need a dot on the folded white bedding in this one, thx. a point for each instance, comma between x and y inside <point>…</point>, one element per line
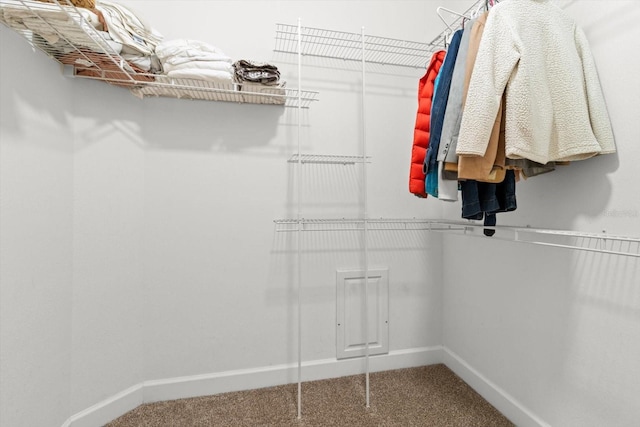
<point>200,65</point>
<point>202,74</point>
<point>194,59</point>
<point>142,62</point>
<point>191,57</point>
<point>127,28</point>
<point>188,48</point>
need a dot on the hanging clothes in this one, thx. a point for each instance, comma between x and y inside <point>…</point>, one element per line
<point>448,189</point>
<point>437,114</point>
<point>490,166</point>
<point>422,125</point>
<point>431,180</point>
<point>484,200</point>
<point>535,54</point>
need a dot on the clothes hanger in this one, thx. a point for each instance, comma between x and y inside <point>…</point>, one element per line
<point>440,9</point>
<point>449,34</point>
<point>486,5</point>
<point>453,12</point>
<point>447,38</point>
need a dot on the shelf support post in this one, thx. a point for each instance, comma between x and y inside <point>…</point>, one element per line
<point>366,223</point>
<point>299,217</point>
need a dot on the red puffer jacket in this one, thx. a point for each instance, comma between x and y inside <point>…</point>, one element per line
<point>421,132</point>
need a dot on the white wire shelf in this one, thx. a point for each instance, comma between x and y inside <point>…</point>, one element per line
<point>358,224</point>
<point>591,242</point>
<point>576,240</point>
<point>64,33</point>
<point>328,159</point>
<point>163,86</point>
<point>341,45</point>
<point>348,46</point>
<point>59,30</point>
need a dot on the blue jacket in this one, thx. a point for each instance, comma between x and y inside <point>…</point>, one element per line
<point>438,109</point>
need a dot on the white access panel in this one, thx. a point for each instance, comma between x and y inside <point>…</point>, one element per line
<point>350,326</point>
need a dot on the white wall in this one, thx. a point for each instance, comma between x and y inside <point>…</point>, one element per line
<point>108,258</point>
<point>154,230</point>
<point>71,218</point>
<point>220,282</point>
<point>559,330</point>
<point>36,190</point>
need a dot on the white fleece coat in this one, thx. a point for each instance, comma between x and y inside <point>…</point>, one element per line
<point>555,109</point>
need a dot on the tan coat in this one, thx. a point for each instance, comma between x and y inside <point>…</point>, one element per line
<point>490,167</point>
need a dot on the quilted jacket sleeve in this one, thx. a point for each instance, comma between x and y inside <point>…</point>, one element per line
<point>497,57</point>
<point>600,124</point>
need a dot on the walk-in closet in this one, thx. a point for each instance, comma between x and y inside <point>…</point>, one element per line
<point>247,213</point>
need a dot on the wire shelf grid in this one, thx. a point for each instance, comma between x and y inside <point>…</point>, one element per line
<point>348,46</point>
<point>63,33</point>
<point>325,43</point>
<point>230,92</point>
<point>358,224</point>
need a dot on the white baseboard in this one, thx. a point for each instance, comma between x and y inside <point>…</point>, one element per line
<point>499,398</point>
<point>246,379</point>
<point>109,409</point>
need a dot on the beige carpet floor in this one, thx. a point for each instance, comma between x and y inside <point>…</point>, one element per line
<point>425,396</point>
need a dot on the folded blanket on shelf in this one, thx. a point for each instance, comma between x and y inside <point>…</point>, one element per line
<point>61,47</point>
<point>136,36</point>
<point>256,72</point>
<point>189,57</point>
<point>194,59</point>
<point>179,51</point>
<point>202,74</point>
<point>201,65</point>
